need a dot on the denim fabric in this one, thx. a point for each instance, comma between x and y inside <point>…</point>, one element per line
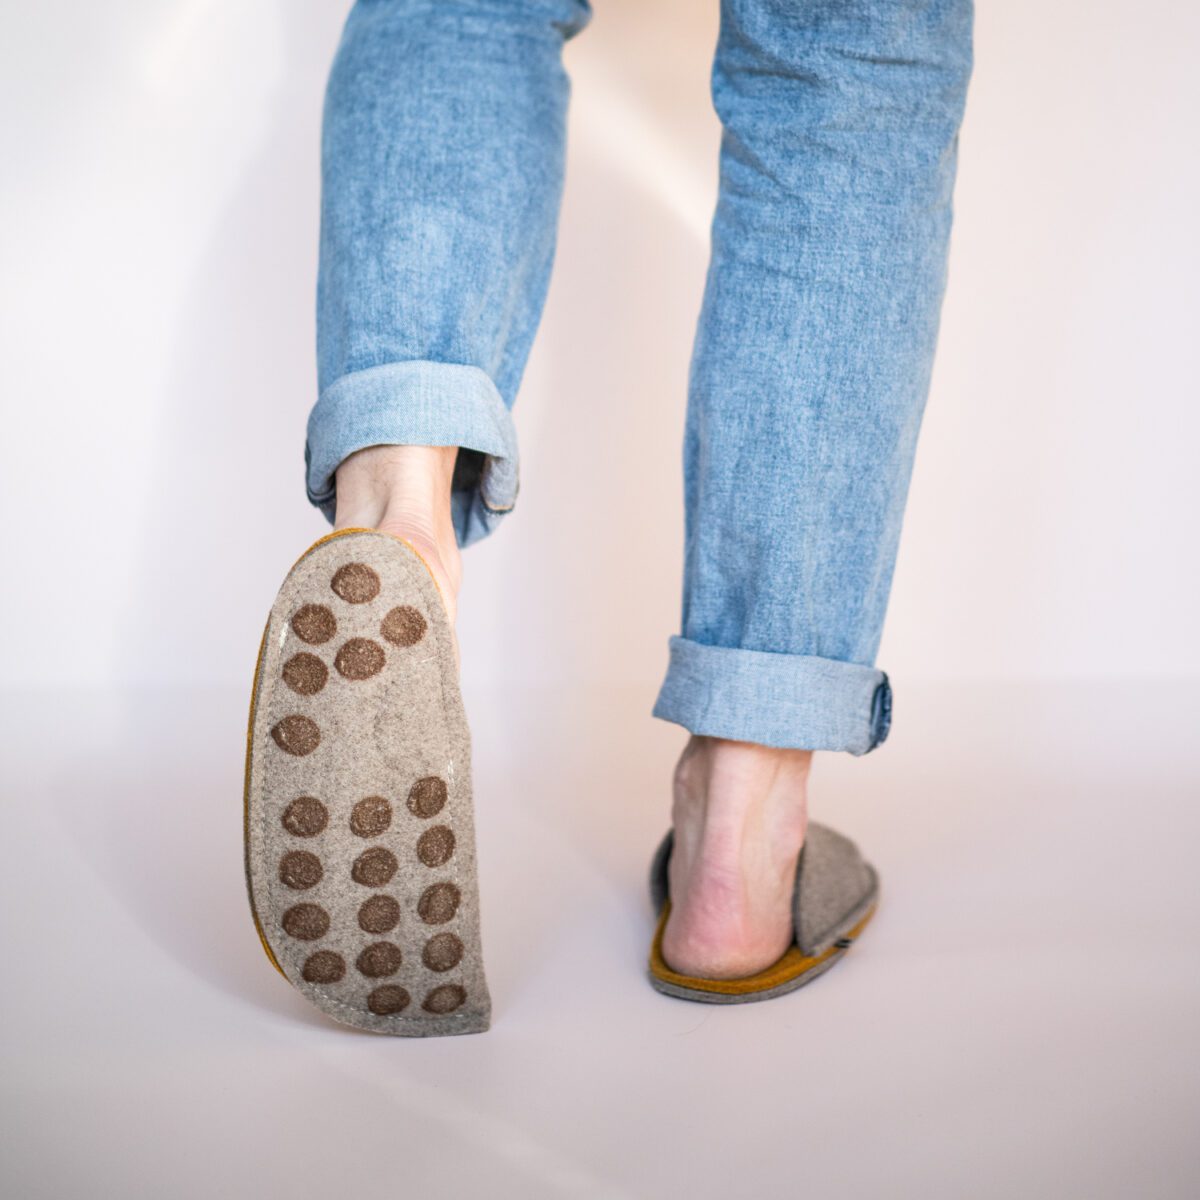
<point>442,168</point>
<point>443,156</point>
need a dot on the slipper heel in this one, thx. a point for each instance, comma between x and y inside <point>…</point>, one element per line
<point>359,823</point>
<point>835,895</point>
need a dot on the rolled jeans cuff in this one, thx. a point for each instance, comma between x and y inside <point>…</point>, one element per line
<point>793,701</point>
<point>419,404</point>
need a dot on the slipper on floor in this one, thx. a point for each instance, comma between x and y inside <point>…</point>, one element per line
<point>835,896</point>
<point>359,824</point>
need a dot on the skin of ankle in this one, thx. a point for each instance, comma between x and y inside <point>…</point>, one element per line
<point>734,783</point>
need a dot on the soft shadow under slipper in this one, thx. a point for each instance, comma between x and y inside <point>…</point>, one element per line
<point>359,824</point>
<point>835,896</point>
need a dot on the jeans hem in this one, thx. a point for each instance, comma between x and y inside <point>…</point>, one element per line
<point>418,404</point>
<point>793,701</point>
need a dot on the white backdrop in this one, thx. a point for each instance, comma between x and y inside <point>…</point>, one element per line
<point>159,212</point>
<point>1014,1026</point>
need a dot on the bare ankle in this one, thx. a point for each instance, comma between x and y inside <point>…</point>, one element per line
<point>415,480</point>
<point>738,781</point>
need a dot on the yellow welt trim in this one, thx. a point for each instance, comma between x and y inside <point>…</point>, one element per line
<point>262,937</point>
<point>793,963</point>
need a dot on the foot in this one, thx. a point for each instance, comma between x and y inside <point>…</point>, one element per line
<point>740,813</point>
<point>405,491</point>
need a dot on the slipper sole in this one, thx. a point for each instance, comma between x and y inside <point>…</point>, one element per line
<point>791,971</point>
<point>359,822</point>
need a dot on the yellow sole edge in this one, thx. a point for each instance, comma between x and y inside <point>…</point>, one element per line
<point>793,963</point>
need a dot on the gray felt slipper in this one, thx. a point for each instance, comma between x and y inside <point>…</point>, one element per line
<point>359,825</point>
<point>835,896</point>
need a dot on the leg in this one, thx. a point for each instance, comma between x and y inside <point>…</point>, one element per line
<point>442,161</point>
<point>808,382</point>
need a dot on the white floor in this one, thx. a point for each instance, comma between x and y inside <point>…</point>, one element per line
<point>1020,1020</point>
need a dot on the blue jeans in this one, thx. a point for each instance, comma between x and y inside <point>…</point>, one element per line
<point>442,169</point>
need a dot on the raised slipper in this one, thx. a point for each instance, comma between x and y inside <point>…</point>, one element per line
<point>835,896</point>
<point>359,823</point>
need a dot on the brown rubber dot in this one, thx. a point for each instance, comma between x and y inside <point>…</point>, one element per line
<point>324,967</point>
<point>356,583</point>
<point>305,674</point>
<point>360,658</point>
<point>379,914</point>
<point>300,870</point>
<point>435,845</point>
<point>314,624</point>
<point>438,903</point>
<point>442,951</point>
<point>403,626</point>
<point>296,735</point>
<point>379,959</point>
<point>427,796</point>
<point>374,867</point>
<point>370,817</point>
<point>386,1000</point>
<point>306,816</point>
<point>445,999</point>
<point>306,922</point>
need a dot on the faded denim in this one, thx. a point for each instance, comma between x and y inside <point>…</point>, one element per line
<point>442,169</point>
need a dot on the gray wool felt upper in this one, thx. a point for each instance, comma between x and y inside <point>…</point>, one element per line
<point>378,736</point>
<point>834,886</point>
